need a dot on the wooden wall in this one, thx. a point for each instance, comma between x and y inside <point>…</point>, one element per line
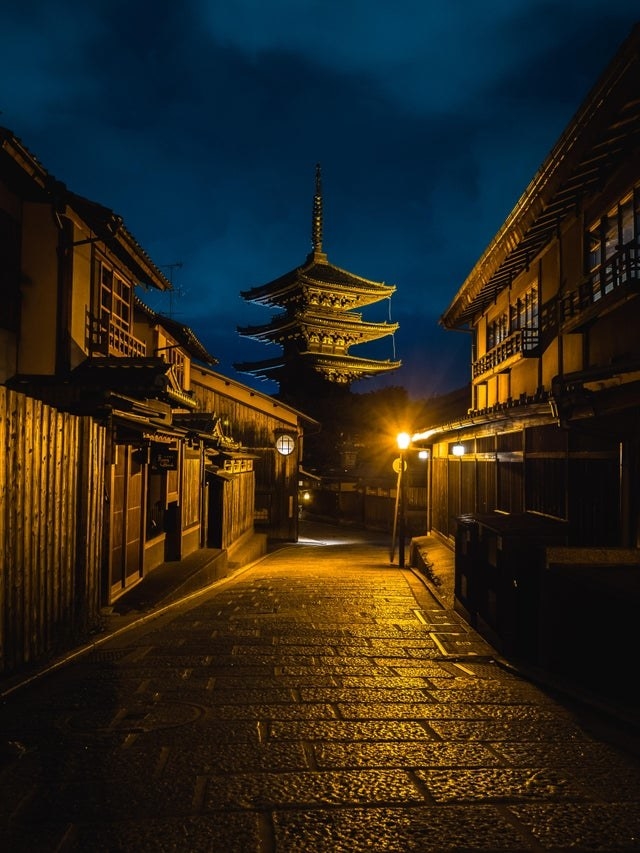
<point>276,477</point>
<point>238,503</point>
<point>51,507</point>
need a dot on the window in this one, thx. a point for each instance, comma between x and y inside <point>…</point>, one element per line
<point>116,314</point>
<point>524,317</point>
<point>612,245</point>
<point>115,298</point>
<point>497,331</point>
<point>175,357</point>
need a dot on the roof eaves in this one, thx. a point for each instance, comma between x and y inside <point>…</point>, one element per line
<point>548,182</point>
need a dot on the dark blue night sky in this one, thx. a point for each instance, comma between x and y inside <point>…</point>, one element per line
<point>201,122</point>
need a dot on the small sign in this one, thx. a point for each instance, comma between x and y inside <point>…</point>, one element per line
<point>397,463</point>
<point>165,460</point>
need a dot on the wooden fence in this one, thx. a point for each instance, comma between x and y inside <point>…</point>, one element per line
<point>51,508</point>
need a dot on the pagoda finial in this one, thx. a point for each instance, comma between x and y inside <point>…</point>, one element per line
<point>316,224</point>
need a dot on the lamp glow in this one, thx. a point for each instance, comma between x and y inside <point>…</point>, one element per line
<point>404,440</point>
<point>458,449</point>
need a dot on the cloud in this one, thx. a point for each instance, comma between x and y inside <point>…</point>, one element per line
<point>201,123</point>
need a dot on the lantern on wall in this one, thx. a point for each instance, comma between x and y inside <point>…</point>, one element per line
<point>285,443</point>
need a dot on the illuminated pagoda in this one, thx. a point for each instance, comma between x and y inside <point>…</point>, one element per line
<point>319,323</point>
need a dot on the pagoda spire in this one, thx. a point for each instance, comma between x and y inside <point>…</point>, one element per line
<point>316,221</point>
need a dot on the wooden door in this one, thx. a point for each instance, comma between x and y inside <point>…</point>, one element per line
<point>126,522</point>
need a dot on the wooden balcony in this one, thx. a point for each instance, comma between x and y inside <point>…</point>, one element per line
<point>105,338</point>
<point>123,344</point>
<point>522,343</point>
<point>613,284</point>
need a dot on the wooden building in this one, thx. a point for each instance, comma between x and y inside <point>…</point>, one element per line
<point>273,434</point>
<point>539,483</point>
<point>319,323</point>
<point>105,451</point>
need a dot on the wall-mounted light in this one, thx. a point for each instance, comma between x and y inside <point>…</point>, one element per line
<point>423,454</point>
<point>458,449</point>
<point>285,444</point>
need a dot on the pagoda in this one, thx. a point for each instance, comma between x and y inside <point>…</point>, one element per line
<point>318,324</point>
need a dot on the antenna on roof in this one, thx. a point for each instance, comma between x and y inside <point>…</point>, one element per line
<point>179,291</point>
<point>316,224</point>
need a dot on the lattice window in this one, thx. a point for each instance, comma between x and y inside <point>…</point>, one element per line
<point>612,245</point>
<point>116,313</point>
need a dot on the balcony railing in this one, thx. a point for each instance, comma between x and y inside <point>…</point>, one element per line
<point>105,338</point>
<point>617,276</point>
<point>123,344</point>
<point>522,342</point>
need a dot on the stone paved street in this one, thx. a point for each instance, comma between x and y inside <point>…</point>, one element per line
<point>320,700</point>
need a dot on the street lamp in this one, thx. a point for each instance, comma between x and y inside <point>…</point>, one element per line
<point>404,440</point>
<point>423,455</point>
<point>458,451</point>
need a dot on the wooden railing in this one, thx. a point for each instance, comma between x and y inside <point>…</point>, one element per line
<point>124,344</point>
<point>106,338</point>
<point>613,276</point>
<point>521,342</point>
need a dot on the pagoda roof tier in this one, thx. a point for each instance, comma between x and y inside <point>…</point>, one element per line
<point>300,325</point>
<point>335,368</point>
<point>319,281</point>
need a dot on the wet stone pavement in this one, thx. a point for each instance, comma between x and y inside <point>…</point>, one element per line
<point>320,700</point>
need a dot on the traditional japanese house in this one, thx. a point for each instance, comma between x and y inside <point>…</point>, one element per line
<point>319,323</point>
<point>272,433</point>
<point>539,483</point>
<point>76,337</point>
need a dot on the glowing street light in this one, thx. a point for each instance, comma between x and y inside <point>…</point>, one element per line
<point>403,440</point>
<point>423,456</point>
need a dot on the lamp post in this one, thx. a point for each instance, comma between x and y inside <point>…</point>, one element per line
<point>459,450</point>
<point>404,440</point>
<point>424,456</point>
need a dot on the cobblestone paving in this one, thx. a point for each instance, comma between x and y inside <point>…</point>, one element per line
<point>319,701</point>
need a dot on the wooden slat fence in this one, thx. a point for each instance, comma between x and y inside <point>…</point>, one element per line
<point>51,521</point>
<point>238,503</point>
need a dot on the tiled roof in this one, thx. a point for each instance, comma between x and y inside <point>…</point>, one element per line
<point>320,274</point>
<point>183,334</point>
<point>348,322</point>
<point>30,176</point>
<point>597,142</point>
<point>322,363</point>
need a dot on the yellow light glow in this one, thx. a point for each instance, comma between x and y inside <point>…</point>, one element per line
<point>404,440</point>
<point>424,454</point>
<point>458,449</point>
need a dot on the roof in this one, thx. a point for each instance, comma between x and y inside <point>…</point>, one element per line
<point>183,334</point>
<point>321,363</point>
<point>150,377</point>
<point>318,273</point>
<point>298,324</point>
<point>601,137</point>
<point>27,176</point>
<point>247,396</point>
